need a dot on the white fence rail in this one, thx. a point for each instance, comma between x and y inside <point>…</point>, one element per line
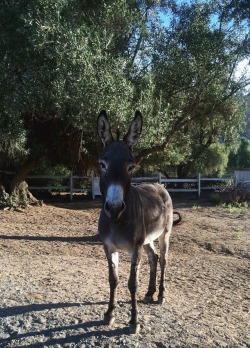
<point>194,183</point>
<point>172,185</point>
<point>70,187</point>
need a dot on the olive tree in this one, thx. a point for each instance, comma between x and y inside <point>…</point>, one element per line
<point>63,61</point>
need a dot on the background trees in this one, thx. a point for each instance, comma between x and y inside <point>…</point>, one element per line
<point>241,159</point>
<point>195,63</point>
<point>63,61</point>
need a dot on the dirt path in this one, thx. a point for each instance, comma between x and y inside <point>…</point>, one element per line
<point>54,289</point>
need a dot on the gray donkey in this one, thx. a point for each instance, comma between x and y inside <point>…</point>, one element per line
<point>131,217</point>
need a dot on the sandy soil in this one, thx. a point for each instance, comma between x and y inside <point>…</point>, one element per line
<point>54,284</point>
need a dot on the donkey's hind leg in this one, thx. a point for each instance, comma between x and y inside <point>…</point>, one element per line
<point>112,257</point>
<point>164,246</point>
<point>152,259</point>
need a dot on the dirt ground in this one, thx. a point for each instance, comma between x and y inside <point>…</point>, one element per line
<point>54,281</point>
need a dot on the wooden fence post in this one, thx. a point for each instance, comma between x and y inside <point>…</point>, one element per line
<point>199,185</point>
<point>159,177</point>
<point>96,186</point>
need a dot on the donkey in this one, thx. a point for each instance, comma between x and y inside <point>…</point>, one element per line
<point>131,217</point>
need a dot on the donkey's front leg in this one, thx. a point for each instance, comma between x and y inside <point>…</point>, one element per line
<point>133,285</point>
<point>112,257</point>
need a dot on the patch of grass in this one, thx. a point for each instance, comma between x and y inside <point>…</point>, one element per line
<point>238,234</point>
<point>229,198</point>
<point>195,207</point>
<point>236,208</point>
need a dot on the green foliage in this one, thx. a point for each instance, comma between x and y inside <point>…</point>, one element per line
<point>213,161</point>
<point>236,207</point>
<point>48,167</point>
<point>238,234</point>
<point>64,60</point>
<point>196,207</point>
<point>194,64</point>
<point>241,158</point>
<point>234,201</point>
<point>58,64</point>
<point>12,140</point>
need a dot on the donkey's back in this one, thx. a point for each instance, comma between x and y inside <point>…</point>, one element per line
<point>156,210</point>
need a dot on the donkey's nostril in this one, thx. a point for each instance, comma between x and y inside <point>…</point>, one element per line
<point>109,206</point>
<point>107,209</point>
<point>123,206</point>
<point>114,209</point>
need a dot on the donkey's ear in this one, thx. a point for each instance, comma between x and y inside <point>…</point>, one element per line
<point>103,128</point>
<point>134,130</point>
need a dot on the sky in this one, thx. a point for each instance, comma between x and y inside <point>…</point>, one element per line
<point>243,67</point>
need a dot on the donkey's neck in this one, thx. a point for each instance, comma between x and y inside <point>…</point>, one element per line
<point>133,207</point>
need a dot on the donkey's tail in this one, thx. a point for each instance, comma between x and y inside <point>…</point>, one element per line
<point>179,218</point>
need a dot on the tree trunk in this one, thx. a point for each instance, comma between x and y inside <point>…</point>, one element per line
<point>18,194</point>
<point>182,172</point>
<point>21,196</point>
<point>19,178</point>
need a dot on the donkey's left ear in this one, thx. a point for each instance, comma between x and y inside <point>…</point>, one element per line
<point>134,130</point>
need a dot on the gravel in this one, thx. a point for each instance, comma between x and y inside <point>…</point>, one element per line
<point>54,288</point>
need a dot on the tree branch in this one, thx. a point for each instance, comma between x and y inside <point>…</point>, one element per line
<point>182,121</point>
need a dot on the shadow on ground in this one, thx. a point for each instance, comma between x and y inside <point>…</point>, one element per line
<point>68,332</point>
<point>85,239</point>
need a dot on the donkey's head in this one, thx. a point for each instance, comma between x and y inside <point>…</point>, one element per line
<point>116,164</point>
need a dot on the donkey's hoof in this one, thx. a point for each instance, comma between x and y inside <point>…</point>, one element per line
<point>161,300</point>
<point>108,319</point>
<point>148,299</point>
<point>134,329</point>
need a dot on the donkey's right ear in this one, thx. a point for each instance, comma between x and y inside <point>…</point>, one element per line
<point>134,130</point>
<point>103,128</point>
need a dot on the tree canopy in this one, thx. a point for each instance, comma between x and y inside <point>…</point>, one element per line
<point>63,61</point>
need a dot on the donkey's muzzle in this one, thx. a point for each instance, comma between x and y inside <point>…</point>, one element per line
<point>114,210</point>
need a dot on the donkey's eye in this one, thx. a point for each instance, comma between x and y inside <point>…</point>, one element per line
<point>103,166</point>
<point>131,167</point>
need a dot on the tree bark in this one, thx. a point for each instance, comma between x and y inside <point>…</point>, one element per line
<point>19,194</point>
<point>22,173</point>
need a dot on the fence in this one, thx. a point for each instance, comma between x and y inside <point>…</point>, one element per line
<point>172,185</point>
<point>195,184</point>
<point>69,178</point>
<point>198,183</point>
<point>242,175</point>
